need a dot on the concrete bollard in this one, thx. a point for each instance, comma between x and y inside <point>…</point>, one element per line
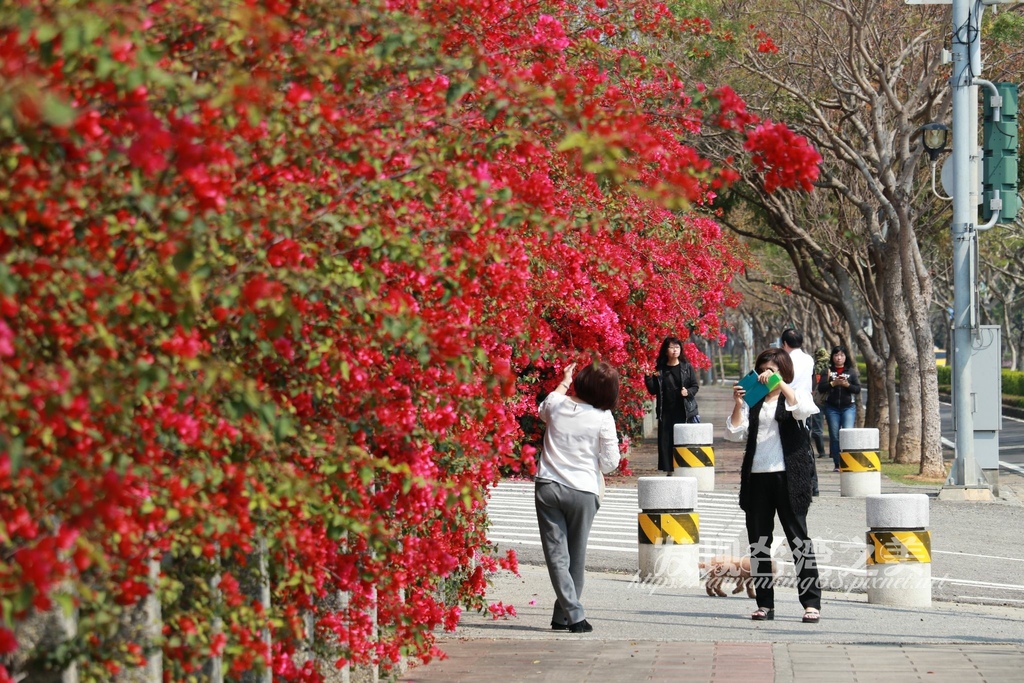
<point>695,456</point>
<point>668,531</point>
<point>860,473</point>
<point>899,550</point>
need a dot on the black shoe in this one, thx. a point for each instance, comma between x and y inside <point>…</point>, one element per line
<point>559,627</point>
<point>581,627</point>
<point>763,614</point>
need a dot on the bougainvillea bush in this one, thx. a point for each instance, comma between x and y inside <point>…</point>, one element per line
<point>292,273</point>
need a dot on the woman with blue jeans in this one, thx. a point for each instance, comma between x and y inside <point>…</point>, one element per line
<point>840,386</point>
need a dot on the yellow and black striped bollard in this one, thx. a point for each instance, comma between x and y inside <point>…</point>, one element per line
<point>669,528</point>
<point>695,454</point>
<point>899,550</point>
<point>886,547</point>
<point>859,461</point>
<point>860,472</point>
<point>668,531</point>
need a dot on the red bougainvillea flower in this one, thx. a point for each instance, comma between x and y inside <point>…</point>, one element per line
<point>281,284</point>
<point>785,158</point>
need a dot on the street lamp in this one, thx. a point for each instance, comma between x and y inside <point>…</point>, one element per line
<point>934,137</point>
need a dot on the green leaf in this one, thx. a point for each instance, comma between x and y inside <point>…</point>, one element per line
<point>57,112</point>
<point>66,602</point>
<point>46,32</point>
<point>92,26</point>
<point>71,40</point>
<point>136,77</point>
<point>15,451</point>
<point>105,66</point>
<point>284,429</point>
<point>456,89</point>
<point>183,258</point>
<point>8,611</point>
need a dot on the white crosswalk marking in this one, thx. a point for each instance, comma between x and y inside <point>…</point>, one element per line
<point>514,520</point>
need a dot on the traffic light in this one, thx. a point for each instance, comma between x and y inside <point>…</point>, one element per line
<point>1000,160</point>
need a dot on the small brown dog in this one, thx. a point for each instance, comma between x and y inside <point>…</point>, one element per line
<point>723,567</point>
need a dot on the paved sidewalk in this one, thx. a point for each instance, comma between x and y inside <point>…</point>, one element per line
<point>602,661</point>
<point>651,633</point>
<point>656,634</point>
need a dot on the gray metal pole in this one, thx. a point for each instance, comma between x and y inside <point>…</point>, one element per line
<point>965,215</point>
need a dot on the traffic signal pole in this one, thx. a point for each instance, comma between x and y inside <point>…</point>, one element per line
<point>999,201</point>
<point>965,236</point>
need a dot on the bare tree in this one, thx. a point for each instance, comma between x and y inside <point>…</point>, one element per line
<point>829,269</point>
<point>859,78</point>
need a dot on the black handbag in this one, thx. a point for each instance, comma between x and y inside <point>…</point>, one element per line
<point>690,404</point>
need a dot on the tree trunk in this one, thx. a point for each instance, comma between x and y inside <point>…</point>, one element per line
<point>918,289</point>
<point>876,409</point>
<point>1008,335</point>
<point>904,346</point>
<point>894,405</point>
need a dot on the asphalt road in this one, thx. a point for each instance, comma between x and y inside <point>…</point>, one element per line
<point>977,556</point>
<point>1011,438</point>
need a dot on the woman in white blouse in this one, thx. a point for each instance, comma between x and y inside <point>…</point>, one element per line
<point>579,444</point>
<point>776,478</point>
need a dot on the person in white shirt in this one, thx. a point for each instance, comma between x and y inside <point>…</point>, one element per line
<point>803,363</point>
<point>776,478</point>
<point>803,379</point>
<point>580,444</point>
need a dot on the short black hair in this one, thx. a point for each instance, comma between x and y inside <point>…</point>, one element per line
<point>836,349</point>
<point>781,359</point>
<point>792,338</point>
<point>598,385</point>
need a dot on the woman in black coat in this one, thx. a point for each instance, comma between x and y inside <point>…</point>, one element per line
<point>840,386</point>
<point>674,383</point>
<point>776,478</point>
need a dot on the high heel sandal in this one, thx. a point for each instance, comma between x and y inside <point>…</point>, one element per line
<point>763,614</point>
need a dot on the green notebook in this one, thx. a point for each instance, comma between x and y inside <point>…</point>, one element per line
<point>754,390</point>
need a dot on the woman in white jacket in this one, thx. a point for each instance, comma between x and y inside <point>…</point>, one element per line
<point>580,444</point>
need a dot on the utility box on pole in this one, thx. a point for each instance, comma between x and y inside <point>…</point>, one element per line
<point>986,400</point>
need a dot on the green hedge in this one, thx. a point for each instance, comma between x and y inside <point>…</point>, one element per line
<point>1013,382</point>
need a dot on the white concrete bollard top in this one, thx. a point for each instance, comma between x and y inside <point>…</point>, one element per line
<point>897,511</point>
<point>667,493</point>
<point>858,439</point>
<point>700,434</point>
